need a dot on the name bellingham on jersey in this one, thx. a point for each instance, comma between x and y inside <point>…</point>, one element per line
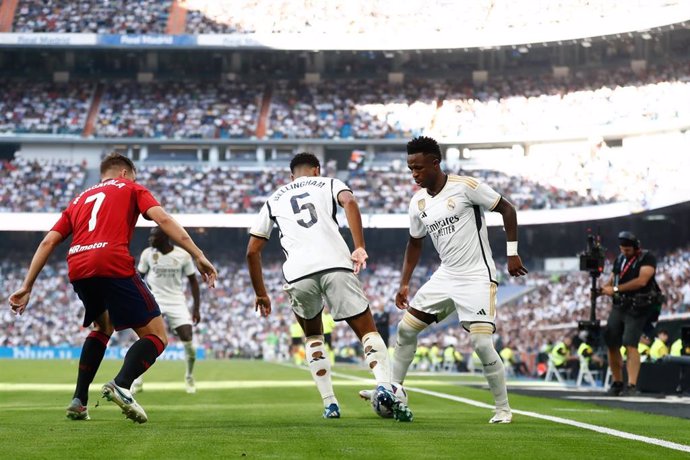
<point>304,213</point>
<point>454,220</point>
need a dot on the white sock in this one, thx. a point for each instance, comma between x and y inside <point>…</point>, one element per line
<point>409,328</point>
<point>480,336</point>
<point>376,356</point>
<point>190,355</point>
<point>320,368</point>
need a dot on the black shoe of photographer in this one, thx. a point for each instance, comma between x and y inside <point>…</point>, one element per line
<point>616,389</point>
<point>631,391</point>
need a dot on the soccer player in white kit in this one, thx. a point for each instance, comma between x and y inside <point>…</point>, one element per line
<point>450,209</point>
<point>165,266</point>
<point>319,265</point>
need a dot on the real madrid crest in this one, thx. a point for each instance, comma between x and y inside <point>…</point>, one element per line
<point>155,258</point>
<point>421,204</point>
<point>450,204</point>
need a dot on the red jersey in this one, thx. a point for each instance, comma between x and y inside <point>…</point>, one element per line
<point>102,219</point>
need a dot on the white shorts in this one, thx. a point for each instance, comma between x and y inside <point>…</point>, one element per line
<point>341,290</point>
<point>176,315</point>
<point>473,298</point>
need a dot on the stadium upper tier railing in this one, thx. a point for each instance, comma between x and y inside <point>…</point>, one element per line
<point>353,25</point>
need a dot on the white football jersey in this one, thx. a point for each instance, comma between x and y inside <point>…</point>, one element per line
<point>304,213</point>
<point>165,274</point>
<point>454,219</point>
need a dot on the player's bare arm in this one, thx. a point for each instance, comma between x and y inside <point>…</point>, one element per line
<point>354,220</point>
<point>196,309</point>
<point>20,298</point>
<point>413,252</point>
<point>254,248</point>
<point>507,211</point>
<point>646,274</point>
<point>179,235</point>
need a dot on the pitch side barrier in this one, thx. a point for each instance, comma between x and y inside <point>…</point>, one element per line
<point>669,321</point>
<point>172,353</point>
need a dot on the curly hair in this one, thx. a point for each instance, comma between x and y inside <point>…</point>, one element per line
<point>304,158</point>
<point>424,145</point>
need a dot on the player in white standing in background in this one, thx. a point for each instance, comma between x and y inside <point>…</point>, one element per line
<point>319,265</point>
<point>164,267</point>
<point>450,209</point>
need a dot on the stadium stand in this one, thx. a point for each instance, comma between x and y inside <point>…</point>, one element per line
<point>47,108</point>
<point>179,110</point>
<point>39,186</point>
<point>351,109</point>
<point>538,105</point>
<point>199,23</point>
<point>300,16</point>
<point>206,189</point>
<point>231,329</point>
<point>113,16</point>
<point>535,182</point>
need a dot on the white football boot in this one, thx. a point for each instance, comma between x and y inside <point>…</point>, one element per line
<point>189,384</point>
<point>502,416</point>
<point>123,398</point>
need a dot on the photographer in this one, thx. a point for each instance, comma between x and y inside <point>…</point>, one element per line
<point>636,298</point>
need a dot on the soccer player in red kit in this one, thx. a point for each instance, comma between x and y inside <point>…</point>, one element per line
<point>101,220</point>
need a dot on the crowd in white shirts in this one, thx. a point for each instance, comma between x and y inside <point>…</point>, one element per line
<point>39,185</point>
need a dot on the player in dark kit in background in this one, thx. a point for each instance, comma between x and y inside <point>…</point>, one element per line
<point>101,270</point>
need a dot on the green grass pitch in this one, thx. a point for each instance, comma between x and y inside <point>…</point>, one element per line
<point>252,409</point>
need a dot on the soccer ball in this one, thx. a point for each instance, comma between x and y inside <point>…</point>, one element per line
<point>381,410</point>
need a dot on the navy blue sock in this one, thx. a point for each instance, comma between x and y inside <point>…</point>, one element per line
<point>90,359</point>
<point>138,359</point>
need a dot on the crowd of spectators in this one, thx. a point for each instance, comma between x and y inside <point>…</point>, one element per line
<point>199,22</point>
<point>426,16</point>
<point>178,110</point>
<point>220,189</point>
<point>586,101</point>
<point>47,108</point>
<point>380,187</point>
<point>39,185</point>
<point>504,106</point>
<point>532,107</point>
<point>231,327</point>
<point>362,109</point>
<point>387,189</point>
<point>92,16</point>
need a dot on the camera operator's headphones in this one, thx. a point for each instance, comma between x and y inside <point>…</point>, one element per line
<point>626,238</point>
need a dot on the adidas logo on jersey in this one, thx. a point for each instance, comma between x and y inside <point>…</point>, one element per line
<point>481,312</point>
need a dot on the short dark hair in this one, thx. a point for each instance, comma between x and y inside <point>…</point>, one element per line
<point>424,145</point>
<point>115,159</point>
<point>304,158</point>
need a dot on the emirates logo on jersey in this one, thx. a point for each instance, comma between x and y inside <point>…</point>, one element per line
<point>450,204</point>
<point>421,204</point>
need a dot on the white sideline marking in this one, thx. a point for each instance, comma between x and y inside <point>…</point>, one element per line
<point>563,421</point>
